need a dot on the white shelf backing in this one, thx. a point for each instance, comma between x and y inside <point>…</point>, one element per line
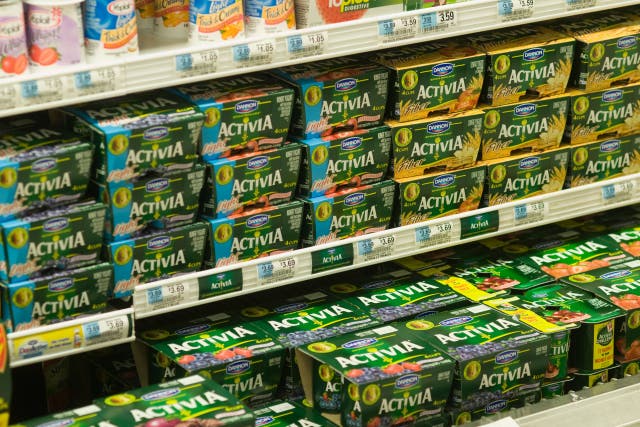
<point>71,337</point>
<point>170,65</point>
<point>300,265</point>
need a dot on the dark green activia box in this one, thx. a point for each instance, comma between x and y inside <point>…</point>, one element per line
<point>386,373</point>
<point>238,355</point>
<point>155,255</point>
<point>57,297</point>
<point>254,233</point>
<point>85,416</point>
<point>290,414</point>
<point>137,133</point>
<point>250,112</point>
<point>251,180</point>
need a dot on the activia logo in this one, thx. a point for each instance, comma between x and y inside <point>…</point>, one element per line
<point>529,162</point>
<point>58,423</point>
<point>443,180</point>
<point>496,406</point>
<point>533,54</point>
<point>160,394</point>
<point>354,199</point>
<point>120,7</point>
<point>154,133</point>
<point>608,146</point>
<point>612,95</point>
<point>524,109</point>
<point>605,335</point>
<point>626,42</point>
<point>442,69</point>
<point>44,165</point>
<point>377,285</point>
<point>157,184</point>
<point>290,308</point>
<point>615,274</point>
<point>238,367</point>
<point>506,356</point>
<point>56,224</point>
<point>453,321</point>
<point>263,421</point>
<point>407,381</point>
<point>351,143</point>
<point>364,342</point>
<point>257,220</point>
<point>159,242</point>
<point>257,162</point>
<point>346,84</point>
<point>246,106</point>
<point>190,330</point>
<point>438,127</point>
<point>59,285</point>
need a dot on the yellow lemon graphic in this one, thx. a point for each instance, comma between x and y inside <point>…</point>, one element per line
<point>120,399</point>
<point>411,192</point>
<point>312,95</point>
<point>118,144</point>
<point>121,197</point>
<point>502,64</point>
<point>323,211</point>
<point>371,394</point>
<point>211,117</point>
<point>8,177</point>
<point>319,155</point>
<point>223,233</point>
<point>123,254</point>
<point>409,80</point>
<point>325,372</point>
<point>22,297</point>
<point>18,237</point>
<point>224,175</point>
<point>472,370</point>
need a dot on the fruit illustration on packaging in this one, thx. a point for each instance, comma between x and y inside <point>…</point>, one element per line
<point>325,372</point>
<point>331,11</point>
<point>14,64</point>
<point>46,56</point>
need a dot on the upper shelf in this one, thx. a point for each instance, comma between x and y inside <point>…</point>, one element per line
<point>159,66</point>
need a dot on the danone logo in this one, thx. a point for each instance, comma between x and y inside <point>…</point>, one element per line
<point>626,42</point>
<point>238,367</point>
<point>506,357</point>
<point>258,162</point>
<point>44,165</point>
<point>364,342</point>
<point>608,146</point>
<point>158,242</point>
<point>615,274</point>
<point>407,381</point>
<point>257,220</point>
<point>157,132</point>
<point>120,7</point>
<point>612,95</point>
<point>354,199</point>
<point>58,423</point>
<point>351,143</point>
<point>196,329</point>
<point>263,421</point>
<point>496,406</point>
<point>56,224</point>
<point>453,321</point>
<point>289,308</point>
<point>524,109</point>
<point>438,127</point>
<point>529,162</point>
<point>533,54</point>
<point>157,184</point>
<point>246,106</point>
<point>346,84</point>
<point>442,69</point>
<point>160,394</point>
<point>443,180</point>
<point>59,285</point>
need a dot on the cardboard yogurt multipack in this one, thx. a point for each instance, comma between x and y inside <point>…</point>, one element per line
<point>250,112</point>
<point>289,414</point>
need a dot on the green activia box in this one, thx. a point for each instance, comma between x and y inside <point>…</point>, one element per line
<point>601,160</point>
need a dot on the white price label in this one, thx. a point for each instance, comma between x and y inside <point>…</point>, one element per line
<point>98,81</point>
<point>392,30</point>
<point>196,64</point>
<point>620,192</point>
<point>8,98</point>
<point>511,10</point>
<point>115,328</point>
<point>376,248</point>
<point>172,294</point>
<point>437,234</point>
<point>41,91</point>
<point>530,212</point>
<point>256,53</point>
<point>580,4</point>
<point>301,46</point>
<point>436,22</point>
<point>275,271</point>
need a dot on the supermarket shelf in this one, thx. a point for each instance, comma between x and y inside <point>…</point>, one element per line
<point>304,264</point>
<point>170,65</point>
<point>72,337</point>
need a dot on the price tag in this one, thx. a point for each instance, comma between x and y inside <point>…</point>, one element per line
<point>98,81</point>
<point>42,91</point>
<point>328,259</point>
<point>196,64</point>
<point>173,294</point>
<point>512,10</point>
<point>104,330</point>
<point>436,22</point>
<point>256,53</point>
<point>432,235</point>
<point>276,271</point>
<point>530,212</point>
<point>620,192</point>
<point>8,98</point>
<point>301,46</point>
<point>376,248</point>
<point>580,4</point>
<point>392,30</point>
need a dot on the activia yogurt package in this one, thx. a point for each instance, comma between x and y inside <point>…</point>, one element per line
<point>241,113</point>
<point>333,95</point>
<point>84,416</point>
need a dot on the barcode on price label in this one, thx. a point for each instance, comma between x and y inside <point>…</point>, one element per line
<point>511,10</point>
<point>172,294</point>
<point>580,4</point>
<point>275,271</point>
<point>195,64</point>
<point>42,90</point>
<point>620,192</point>
<point>435,22</point>
<point>300,46</point>
<point>530,212</point>
<point>106,330</point>
<point>392,30</point>
<point>256,53</point>
<point>376,248</point>
<point>431,235</point>
<point>98,81</point>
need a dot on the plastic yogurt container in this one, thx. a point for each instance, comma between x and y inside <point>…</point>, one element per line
<point>111,29</point>
<point>171,19</point>
<point>215,20</point>
<point>13,40</point>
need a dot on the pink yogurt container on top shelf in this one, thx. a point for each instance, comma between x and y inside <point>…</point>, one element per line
<point>13,44</point>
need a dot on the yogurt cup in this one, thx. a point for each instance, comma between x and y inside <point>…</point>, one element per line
<point>171,19</point>
<point>269,16</point>
<point>145,13</point>
<point>215,20</point>
<point>111,29</point>
<point>54,32</point>
<point>13,39</point>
